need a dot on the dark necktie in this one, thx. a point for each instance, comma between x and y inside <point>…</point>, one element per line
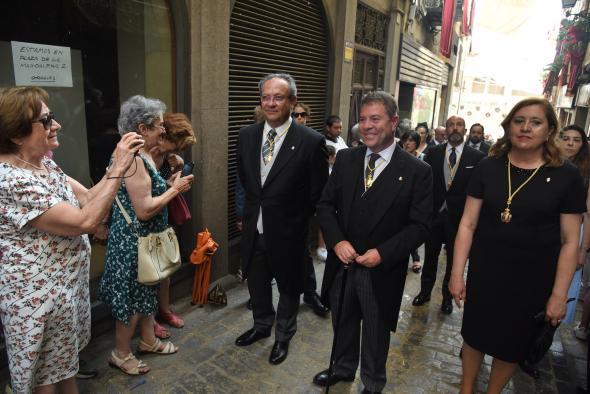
<point>453,157</point>
<point>269,146</point>
<point>370,170</point>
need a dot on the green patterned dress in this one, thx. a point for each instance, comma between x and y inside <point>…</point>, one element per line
<point>119,287</point>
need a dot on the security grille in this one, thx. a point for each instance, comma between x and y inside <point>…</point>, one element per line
<point>274,36</point>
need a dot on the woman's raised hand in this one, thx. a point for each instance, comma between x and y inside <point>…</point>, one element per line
<point>182,184</point>
<point>125,152</point>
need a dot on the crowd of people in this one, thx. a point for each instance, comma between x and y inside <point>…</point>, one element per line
<point>363,210</point>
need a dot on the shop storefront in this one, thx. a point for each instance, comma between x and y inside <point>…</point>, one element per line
<point>423,79</point>
<point>90,56</point>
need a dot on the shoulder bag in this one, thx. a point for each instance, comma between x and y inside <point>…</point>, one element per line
<point>158,255</point>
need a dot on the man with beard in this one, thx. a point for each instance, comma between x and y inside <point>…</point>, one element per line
<point>476,140</point>
<point>452,165</point>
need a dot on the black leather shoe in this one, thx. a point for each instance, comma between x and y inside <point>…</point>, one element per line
<point>313,300</point>
<point>365,391</point>
<point>421,299</point>
<point>321,379</point>
<point>446,307</point>
<point>251,336</point>
<point>279,352</point>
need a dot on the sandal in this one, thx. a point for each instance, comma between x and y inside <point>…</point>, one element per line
<point>416,267</point>
<point>160,331</point>
<point>138,369</point>
<point>156,347</point>
<point>171,318</point>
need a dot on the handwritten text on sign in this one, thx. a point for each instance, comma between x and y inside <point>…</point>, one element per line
<point>41,65</point>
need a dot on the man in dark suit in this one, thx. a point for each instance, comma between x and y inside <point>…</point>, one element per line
<point>476,140</point>
<point>375,208</point>
<point>283,167</point>
<point>452,165</point>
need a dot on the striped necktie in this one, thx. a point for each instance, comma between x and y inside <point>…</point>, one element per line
<point>269,146</point>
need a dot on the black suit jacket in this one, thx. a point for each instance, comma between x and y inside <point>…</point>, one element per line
<point>484,147</point>
<point>456,195</point>
<point>288,199</point>
<point>397,222</point>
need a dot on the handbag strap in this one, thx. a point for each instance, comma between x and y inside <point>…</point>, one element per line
<point>126,215</point>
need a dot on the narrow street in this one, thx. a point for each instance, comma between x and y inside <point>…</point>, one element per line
<point>423,355</point>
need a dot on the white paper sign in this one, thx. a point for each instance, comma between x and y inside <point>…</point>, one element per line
<point>41,65</point>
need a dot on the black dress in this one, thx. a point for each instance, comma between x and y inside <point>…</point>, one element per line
<point>512,265</point>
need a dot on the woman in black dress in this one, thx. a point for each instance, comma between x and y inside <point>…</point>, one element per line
<point>520,230</point>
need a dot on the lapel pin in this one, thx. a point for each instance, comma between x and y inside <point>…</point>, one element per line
<point>401,178</point>
<point>548,180</point>
<point>292,148</point>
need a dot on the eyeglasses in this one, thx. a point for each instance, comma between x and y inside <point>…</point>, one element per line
<point>46,120</point>
<point>299,114</point>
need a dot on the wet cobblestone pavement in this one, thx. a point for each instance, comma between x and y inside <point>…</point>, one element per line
<point>423,355</point>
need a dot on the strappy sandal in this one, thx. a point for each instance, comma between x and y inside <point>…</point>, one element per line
<point>156,347</point>
<point>171,318</point>
<point>118,362</point>
<point>160,331</point>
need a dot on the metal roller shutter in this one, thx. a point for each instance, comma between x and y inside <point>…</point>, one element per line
<point>274,36</point>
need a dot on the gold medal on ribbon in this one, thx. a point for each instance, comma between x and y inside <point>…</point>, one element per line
<point>506,216</point>
<point>370,179</point>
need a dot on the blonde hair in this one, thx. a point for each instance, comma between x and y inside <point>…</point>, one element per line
<point>552,153</point>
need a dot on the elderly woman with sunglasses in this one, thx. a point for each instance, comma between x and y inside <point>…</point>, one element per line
<point>144,195</point>
<point>44,252</point>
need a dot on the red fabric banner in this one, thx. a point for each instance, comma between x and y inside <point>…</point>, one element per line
<point>465,21</point>
<point>446,35</point>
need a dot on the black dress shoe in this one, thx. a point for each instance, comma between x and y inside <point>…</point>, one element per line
<point>313,300</point>
<point>251,336</point>
<point>421,299</point>
<point>446,307</point>
<point>279,352</point>
<point>321,379</point>
<point>87,373</point>
<point>365,391</point>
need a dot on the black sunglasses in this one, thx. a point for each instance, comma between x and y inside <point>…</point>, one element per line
<point>46,120</point>
<point>299,114</point>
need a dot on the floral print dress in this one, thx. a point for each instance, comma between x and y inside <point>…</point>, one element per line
<point>44,296</point>
<point>119,286</point>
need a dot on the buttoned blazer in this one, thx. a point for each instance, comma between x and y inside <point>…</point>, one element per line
<point>456,195</point>
<point>288,199</point>
<point>397,220</point>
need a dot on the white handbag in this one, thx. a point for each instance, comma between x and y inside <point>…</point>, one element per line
<point>158,254</point>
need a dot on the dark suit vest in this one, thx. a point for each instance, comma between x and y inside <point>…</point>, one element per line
<point>358,226</point>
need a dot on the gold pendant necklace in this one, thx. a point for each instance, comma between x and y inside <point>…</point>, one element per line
<point>369,179</point>
<point>506,215</point>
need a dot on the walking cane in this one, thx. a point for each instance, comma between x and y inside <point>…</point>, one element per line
<point>336,328</point>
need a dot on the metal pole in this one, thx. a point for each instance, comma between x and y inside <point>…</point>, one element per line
<point>336,328</point>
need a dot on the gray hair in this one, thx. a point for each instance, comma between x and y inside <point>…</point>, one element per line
<point>139,109</point>
<point>382,97</point>
<point>285,77</point>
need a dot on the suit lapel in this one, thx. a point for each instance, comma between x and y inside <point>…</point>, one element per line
<point>289,147</point>
<point>256,152</point>
<point>439,165</point>
<point>357,167</point>
<point>389,183</point>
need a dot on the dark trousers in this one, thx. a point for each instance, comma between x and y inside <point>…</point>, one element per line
<point>259,285</point>
<point>309,282</point>
<point>443,231</point>
<point>415,255</point>
<point>372,341</point>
